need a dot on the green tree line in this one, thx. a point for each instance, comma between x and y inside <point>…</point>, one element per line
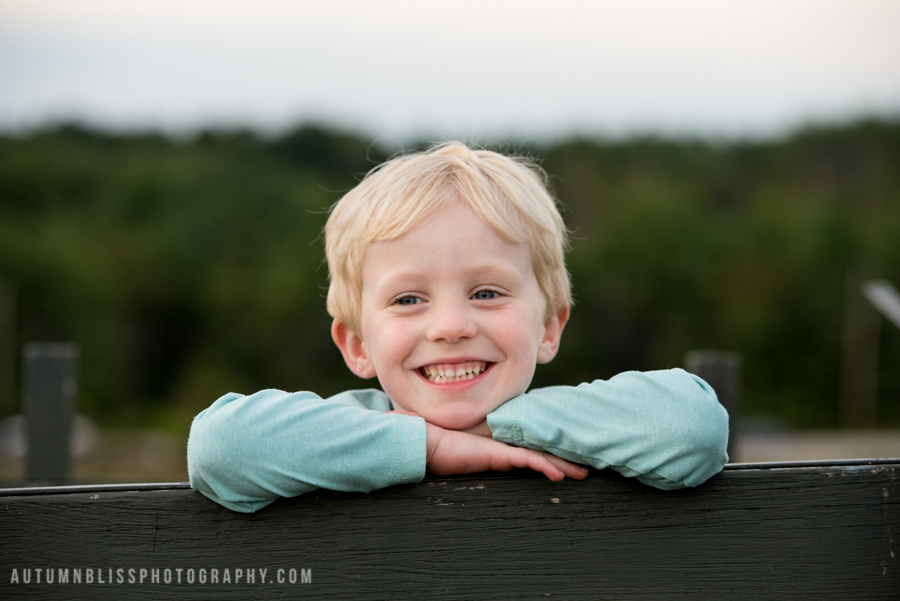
<point>188,268</point>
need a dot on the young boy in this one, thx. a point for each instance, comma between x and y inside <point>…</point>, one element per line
<point>448,284</point>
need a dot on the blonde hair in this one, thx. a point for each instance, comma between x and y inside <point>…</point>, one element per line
<point>509,194</point>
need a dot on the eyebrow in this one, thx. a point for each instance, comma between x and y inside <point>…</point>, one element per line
<point>484,270</point>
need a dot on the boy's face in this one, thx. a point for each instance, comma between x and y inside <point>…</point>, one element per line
<point>450,297</point>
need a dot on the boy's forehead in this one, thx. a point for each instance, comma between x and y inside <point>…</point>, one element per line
<point>443,208</point>
<point>448,226</point>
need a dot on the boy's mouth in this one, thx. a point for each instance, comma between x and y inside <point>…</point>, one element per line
<point>443,373</point>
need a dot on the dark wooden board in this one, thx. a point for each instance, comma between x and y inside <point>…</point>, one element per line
<point>822,532</point>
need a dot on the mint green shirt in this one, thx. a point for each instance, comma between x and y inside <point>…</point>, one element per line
<point>665,428</point>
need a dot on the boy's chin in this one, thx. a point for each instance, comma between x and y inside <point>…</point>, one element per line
<point>455,420</point>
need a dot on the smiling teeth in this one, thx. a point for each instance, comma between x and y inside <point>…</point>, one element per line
<point>441,373</point>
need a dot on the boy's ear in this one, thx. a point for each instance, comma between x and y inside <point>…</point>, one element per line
<point>553,329</point>
<point>352,349</point>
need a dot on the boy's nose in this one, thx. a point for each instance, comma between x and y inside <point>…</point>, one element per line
<point>450,324</point>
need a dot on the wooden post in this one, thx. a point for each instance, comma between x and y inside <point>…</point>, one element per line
<point>49,404</point>
<point>7,349</point>
<point>721,370</point>
<point>859,355</point>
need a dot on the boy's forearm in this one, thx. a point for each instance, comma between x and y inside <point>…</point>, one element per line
<point>665,427</point>
<point>245,452</point>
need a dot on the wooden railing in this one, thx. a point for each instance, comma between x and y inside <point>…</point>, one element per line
<point>822,530</point>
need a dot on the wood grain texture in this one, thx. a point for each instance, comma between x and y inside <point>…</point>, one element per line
<point>824,532</point>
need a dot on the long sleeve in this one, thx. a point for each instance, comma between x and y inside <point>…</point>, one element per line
<point>246,451</point>
<point>664,427</point>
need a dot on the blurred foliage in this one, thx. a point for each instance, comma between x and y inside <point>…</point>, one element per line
<point>189,268</point>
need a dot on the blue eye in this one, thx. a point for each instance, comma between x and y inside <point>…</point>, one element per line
<point>408,300</point>
<point>485,295</point>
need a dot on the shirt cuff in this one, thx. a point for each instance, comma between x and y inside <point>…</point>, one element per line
<point>505,422</point>
<point>410,449</point>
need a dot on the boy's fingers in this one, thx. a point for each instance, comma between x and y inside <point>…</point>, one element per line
<point>571,470</point>
<point>550,465</point>
<point>535,461</point>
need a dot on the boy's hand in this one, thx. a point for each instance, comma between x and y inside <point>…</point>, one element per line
<point>454,452</point>
<point>474,450</point>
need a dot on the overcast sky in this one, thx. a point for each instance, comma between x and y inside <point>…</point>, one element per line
<point>402,68</point>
